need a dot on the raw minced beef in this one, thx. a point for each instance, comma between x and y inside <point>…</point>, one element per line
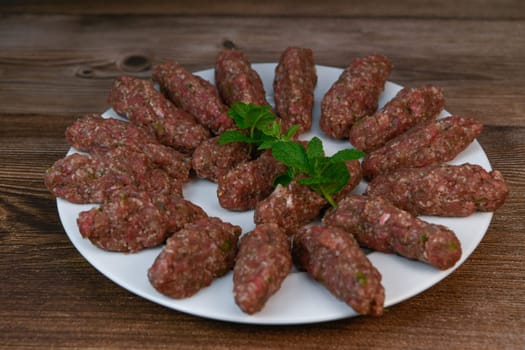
<point>194,256</point>
<point>263,262</point>
<point>354,95</point>
<point>442,190</point>
<point>379,225</point>
<point>334,258</point>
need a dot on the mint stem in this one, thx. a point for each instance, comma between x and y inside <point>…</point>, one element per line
<point>328,197</point>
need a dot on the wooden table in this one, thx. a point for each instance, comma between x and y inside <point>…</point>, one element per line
<point>57,62</point>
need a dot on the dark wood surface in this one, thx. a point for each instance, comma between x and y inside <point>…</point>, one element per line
<point>57,62</point>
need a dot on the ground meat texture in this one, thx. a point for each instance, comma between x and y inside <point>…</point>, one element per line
<point>334,258</point>
<point>427,144</point>
<point>142,104</point>
<point>122,160</point>
<point>194,256</point>
<point>212,160</point>
<point>354,169</point>
<point>193,94</point>
<point>442,190</point>
<point>354,95</point>
<point>82,179</point>
<point>95,134</point>
<point>411,106</point>
<point>175,163</point>
<point>151,157</point>
<point>158,182</point>
<point>291,207</point>
<point>144,173</point>
<point>263,262</point>
<point>99,136</point>
<point>178,212</point>
<point>293,86</point>
<point>379,225</point>
<point>236,80</point>
<point>248,183</point>
<point>132,220</point>
<point>129,222</point>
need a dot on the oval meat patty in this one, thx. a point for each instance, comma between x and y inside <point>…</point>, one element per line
<point>354,95</point>
<point>139,101</point>
<point>194,256</point>
<point>427,144</point>
<point>236,80</point>
<point>212,160</point>
<point>97,135</point>
<point>248,183</point>
<point>442,190</point>
<point>293,86</point>
<point>379,225</point>
<point>134,220</point>
<point>333,257</point>
<point>83,178</point>
<point>291,207</point>
<point>410,107</point>
<point>193,94</point>
<point>263,262</point>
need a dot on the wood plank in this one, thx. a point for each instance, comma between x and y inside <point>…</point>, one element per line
<point>49,72</point>
<point>508,9</point>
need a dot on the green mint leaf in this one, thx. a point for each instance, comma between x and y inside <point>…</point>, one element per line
<point>238,112</point>
<point>260,123</point>
<point>313,180</point>
<point>317,165</point>
<point>334,177</point>
<point>283,180</point>
<point>286,178</point>
<point>347,154</point>
<point>291,154</point>
<point>250,116</point>
<point>265,141</point>
<point>266,144</point>
<point>273,129</point>
<point>291,132</point>
<point>314,149</point>
<point>338,175</point>
<point>261,116</point>
<point>233,136</point>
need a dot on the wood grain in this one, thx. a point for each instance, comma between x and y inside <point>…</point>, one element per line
<point>57,61</point>
<point>51,77</point>
<point>508,9</point>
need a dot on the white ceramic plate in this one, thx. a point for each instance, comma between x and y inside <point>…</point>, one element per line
<point>300,299</point>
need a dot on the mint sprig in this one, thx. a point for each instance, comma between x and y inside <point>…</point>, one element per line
<point>325,175</point>
<point>261,126</point>
<point>308,165</point>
